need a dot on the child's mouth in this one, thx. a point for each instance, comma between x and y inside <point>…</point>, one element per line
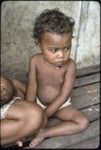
<point>59,63</point>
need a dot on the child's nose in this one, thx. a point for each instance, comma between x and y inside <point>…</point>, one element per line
<point>61,54</point>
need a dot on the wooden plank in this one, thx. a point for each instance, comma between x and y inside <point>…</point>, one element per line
<point>92,88</point>
<point>92,112</point>
<point>88,70</point>
<point>91,143</point>
<point>12,147</point>
<point>66,141</point>
<point>93,78</point>
<point>86,100</point>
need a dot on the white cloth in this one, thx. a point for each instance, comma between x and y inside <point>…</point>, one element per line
<point>5,108</point>
<point>67,103</point>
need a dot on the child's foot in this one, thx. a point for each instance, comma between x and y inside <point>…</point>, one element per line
<point>39,137</point>
<point>19,143</point>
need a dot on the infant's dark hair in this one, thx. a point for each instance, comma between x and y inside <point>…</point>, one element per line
<point>53,21</point>
<point>7,90</point>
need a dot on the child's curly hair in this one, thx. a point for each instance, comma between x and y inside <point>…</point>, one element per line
<point>7,90</point>
<point>54,21</point>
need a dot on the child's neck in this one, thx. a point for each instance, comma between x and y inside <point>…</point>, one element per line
<point>51,65</point>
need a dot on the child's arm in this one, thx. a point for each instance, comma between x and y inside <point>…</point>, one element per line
<point>65,90</point>
<point>32,84</point>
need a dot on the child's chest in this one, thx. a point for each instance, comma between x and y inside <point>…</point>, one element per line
<point>50,77</point>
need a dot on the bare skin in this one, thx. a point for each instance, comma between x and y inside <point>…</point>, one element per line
<point>22,119</point>
<point>51,79</point>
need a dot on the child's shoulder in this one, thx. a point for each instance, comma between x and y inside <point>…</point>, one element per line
<point>36,58</point>
<point>71,64</point>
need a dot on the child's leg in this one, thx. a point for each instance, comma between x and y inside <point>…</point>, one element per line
<point>73,122</point>
<point>23,118</point>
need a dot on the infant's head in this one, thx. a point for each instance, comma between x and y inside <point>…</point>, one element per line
<point>7,90</point>
<point>53,21</point>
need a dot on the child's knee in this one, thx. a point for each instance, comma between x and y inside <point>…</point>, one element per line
<point>38,114</point>
<point>84,123</point>
<point>35,116</point>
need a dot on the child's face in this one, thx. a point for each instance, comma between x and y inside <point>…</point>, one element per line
<point>56,48</point>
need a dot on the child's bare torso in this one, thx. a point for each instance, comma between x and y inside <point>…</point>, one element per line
<point>49,80</point>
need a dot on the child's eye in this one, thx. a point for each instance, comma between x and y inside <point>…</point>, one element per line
<point>67,48</point>
<point>53,50</point>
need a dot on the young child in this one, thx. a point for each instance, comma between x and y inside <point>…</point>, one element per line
<point>19,118</point>
<point>52,75</point>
